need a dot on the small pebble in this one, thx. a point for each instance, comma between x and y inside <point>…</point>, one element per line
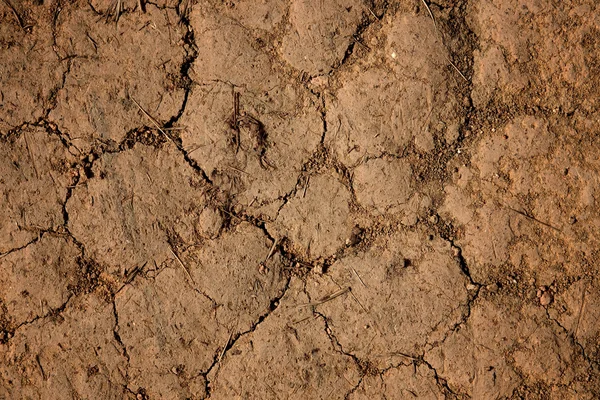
<point>262,269</point>
<point>546,298</point>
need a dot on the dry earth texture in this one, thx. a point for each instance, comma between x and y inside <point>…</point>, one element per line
<point>299,199</point>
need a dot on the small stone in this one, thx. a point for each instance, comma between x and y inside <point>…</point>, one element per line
<point>433,219</point>
<point>471,287</point>
<point>318,269</point>
<point>409,219</point>
<point>209,223</point>
<point>355,236</point>
<point>546,298</point>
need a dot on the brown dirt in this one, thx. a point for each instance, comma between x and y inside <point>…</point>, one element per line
<point>299,199</point>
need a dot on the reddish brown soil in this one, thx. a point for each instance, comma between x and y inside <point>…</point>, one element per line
<point>299,199</point>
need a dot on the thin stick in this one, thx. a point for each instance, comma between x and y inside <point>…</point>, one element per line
<point>37,358</point>
<point>359,303</point>
<point>30,155</point>
<point>430,14</point>
<point>237,169</point>
<point>236,123</point>
<point>358,276</point>
<point>95,49</point>
<point>457,70</point>
<point>533,219</point>
<point>230,214</point>
<point>305,187</point>
<point>117,6</point>
<point>153,120</point>
<point>329,297</point>
<point>224,349</point>
<point>271,251</point>
<point>580,311</point>
<point>183,266</point>
<point>398,353</point>
<point>435,26</point>
<point>133,273</point>
<point>373,14</point>
<point>304,319</point>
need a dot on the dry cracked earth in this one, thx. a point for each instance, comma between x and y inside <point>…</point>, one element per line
<point>299,199</point>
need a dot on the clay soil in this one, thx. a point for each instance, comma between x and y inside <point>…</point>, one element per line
<point>299,199</point>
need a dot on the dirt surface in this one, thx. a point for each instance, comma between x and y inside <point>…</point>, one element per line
<point>303,199</point>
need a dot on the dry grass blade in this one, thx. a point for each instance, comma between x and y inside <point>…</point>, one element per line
<point>271,251</point>
<point>534,219</point>
<point>154,121</point>
<point>373,14</point>
<point>435,26</point>
<point>457,70</point>
<point>580,312</point>
<point>430,13</point>
<point>359,303</point>
<point>358,276</point>
<point>237,169</point>
<point>398,353</point>
<point>116,8</point>
<point>329,297</point>
<point>184,268</point>
<point>183,9</point>
<point>224,349</point>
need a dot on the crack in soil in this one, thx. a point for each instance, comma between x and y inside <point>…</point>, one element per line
<point>357,36</point>
<point>8,334</point>
<point>592,362</point>
<point>122,345</point>
<point>221,353</point>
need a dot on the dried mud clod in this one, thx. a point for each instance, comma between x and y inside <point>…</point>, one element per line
<point>295,198</point>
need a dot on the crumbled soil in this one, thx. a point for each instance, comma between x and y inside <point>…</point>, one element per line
<point>346,199</point>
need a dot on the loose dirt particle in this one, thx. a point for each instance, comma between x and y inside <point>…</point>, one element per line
<point>546,298</point>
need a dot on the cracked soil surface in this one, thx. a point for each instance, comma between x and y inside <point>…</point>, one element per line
<point>299,199</point>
